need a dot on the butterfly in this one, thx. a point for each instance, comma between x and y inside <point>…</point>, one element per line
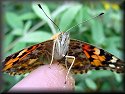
<point>86,56</point>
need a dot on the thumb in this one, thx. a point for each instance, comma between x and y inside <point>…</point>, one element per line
<point>46,78</point>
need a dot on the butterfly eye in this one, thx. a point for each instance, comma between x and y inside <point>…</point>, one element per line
<point>60,36</point>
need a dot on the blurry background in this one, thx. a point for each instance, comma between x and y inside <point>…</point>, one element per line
<point>24,24</point>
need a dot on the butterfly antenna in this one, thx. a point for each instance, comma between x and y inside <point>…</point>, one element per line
<point>85,21</point>
<point>48,16</point>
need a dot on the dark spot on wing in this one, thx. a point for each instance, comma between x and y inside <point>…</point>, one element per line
<point>102,52</point>
<point>91,59</point>
<point>108,57</point>
<point>97,68</point>
<point>92,47</point>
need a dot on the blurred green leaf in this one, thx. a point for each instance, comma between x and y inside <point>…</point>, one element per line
<point>104,87</point>
<point>28,16</point>
<point>97,31</point>
<point>115,52</point>
<point>35,37</point>
<point>107,18</point>
<point>82,15</point>
<point>68,17</point>
<point>79,18</point>
<point>7,40</point>
<point>39,12</point>
<point>78,89</point>
<point>112,46</point>
<point>18,46</point>
<point>17,31</point>
<point>6,54</point>
<point>117,26</point>
<point>90,83</point>
<point>100,74</point>
<point>60,9</point>
<point>13,20</point>
<point>27,26</point>
<point>11,79</point>
<point>118,77</point>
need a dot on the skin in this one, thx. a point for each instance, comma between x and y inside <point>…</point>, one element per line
<point>46,79</point>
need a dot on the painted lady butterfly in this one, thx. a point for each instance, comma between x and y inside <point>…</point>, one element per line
<point>87,56</point>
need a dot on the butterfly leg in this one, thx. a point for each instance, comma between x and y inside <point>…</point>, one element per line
<point>70,65</point>
<point>66,63</point>
<point>53,52</point>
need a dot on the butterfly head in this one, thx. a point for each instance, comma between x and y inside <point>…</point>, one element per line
<point>63,36</point>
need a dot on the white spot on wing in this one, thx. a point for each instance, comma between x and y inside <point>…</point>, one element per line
<point>118,67</point>
<point>111,65</point>
<point>114,59</point>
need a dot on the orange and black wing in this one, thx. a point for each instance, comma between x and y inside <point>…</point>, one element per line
<point>28,59</point>
<point>90,57</point>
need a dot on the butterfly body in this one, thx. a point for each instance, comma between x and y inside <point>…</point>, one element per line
<point>61,45</point>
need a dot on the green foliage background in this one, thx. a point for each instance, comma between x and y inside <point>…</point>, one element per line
<point>25,24</point>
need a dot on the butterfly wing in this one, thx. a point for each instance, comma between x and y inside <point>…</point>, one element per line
<point>82,63</point>
<point>87,57</point>
<point>101,59</point>
<point>28,59</point>
<point>90,57</point>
